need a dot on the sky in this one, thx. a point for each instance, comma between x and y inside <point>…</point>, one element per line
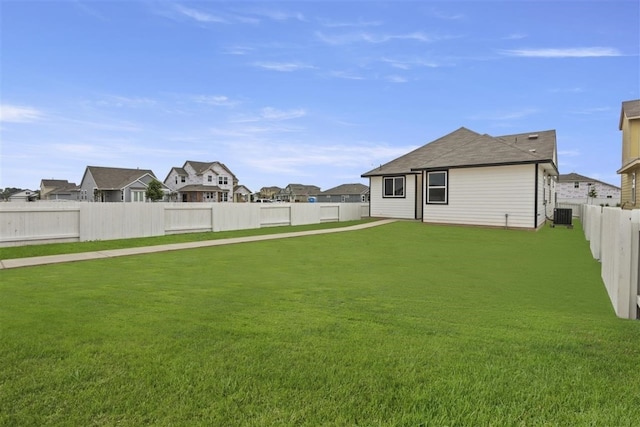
<point>305,92</point>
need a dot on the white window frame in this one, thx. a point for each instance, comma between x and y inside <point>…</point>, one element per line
<point>223,180</point>
<point>444,187</point>
<point>394,191</point>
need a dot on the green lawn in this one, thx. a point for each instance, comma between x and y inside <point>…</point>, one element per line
<point>404,324</point>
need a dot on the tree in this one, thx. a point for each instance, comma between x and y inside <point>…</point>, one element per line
<point>154,191</point>
<point>592,192</point>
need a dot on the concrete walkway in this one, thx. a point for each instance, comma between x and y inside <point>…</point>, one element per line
<point>85,256</point>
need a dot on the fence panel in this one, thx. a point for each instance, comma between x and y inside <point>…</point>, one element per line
<point>617,236</point>
<point>22,224</point>
<point>188,218</point>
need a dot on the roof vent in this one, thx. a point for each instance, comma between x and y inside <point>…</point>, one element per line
<point>532,150</point>
<point>533,136</point>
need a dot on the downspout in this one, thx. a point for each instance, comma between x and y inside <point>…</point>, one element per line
<point>535,199</point>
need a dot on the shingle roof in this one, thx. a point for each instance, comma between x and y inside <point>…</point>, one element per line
<point>466,148</point>
<point>345,189</point>
<point>55,182</point>
<point>301,189</point>
<point>630,109</point>
<point>573,177</point>
<point>202,167</point>
<point>116,178</point>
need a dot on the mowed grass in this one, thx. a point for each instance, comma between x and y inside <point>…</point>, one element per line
<point>404,324</point>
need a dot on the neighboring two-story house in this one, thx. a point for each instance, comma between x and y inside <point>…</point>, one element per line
<point>576,188</point>
<point>201,182</point>
<point>630,170</point>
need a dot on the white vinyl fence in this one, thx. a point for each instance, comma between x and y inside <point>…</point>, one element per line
<point>42,222</point>
<point>614,239</point>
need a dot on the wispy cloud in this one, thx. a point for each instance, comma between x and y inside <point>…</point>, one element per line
<point>270,114</point>
<point>407,64</point>
<point>126,101</point>
<point>19,114</point>
<point>578,52</point>
<point>200,16</point>
<point>515,36</point>
<point>593,110</point>
<point>217,100</point>
<point>282,66</point>
<point>446,16</point>
<point>367,37</point>
<point>238,50</point>
<point>396,79</point>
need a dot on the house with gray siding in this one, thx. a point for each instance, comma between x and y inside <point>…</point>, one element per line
<point>106,184</point>
<point>345,193</point>
<point>470,178</point>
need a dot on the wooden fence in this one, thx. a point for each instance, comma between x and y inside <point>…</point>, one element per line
<point>43,222</point>
<point>614,239</point>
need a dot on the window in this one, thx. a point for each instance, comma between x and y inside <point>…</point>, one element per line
<point>437,187</point>
<point>209,178</point>
<point>222,180</point>
<point>183,179</point>
<point>224,197</point>
<point>576,184</point>
<point>345,199</point>
<point>176,179</point>
<point>393,186</point>
<point>137,196</point>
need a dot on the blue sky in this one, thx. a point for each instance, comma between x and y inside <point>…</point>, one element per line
<point>305,92</point>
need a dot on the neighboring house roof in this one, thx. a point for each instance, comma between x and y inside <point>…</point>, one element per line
<point>573,177</point>
<point>116,178</point>
<point>241,188</point>
<point>301,189</point>
<point>55,183</point>
<point>466,148</point>
<point>345,189</point>
<point>630,109</point>
<point>199,187</point>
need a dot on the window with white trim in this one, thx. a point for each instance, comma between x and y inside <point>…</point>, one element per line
<point>224,197</point>
<point>223,180</point>
<point>437,187</point>
<point>138,196</point>
<point>393,186</point>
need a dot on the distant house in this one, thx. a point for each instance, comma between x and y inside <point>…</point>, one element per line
<point>269,192</point>
<point>630,126</point>
<point>573,187</point>
<point>58,189</point>
<point>105,184</point>
<point>201,182</point>
<point>241,194</point>
<point>297,193</point>
<point>345,193</point>
<point>24,196</point>
<point>470,178</point>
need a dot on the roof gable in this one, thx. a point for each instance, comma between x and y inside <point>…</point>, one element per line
<point>630,110</point>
